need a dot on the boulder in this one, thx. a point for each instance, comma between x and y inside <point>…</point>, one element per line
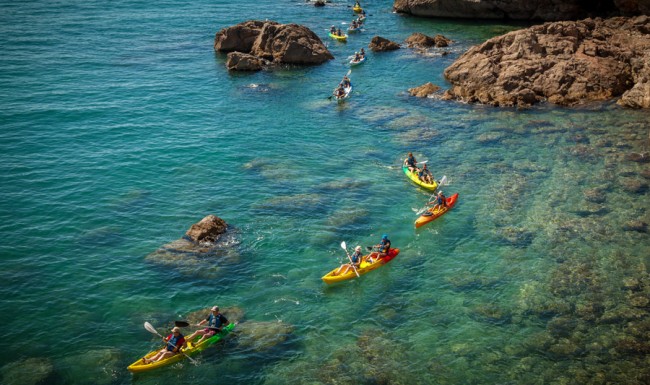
<point>207,229</point>
<point>380,44</point>
<point>566,63</point>
<point>238,61</point>
<point>643,157</point>
<point>548,10</point>
<point>271,41</point>
<point>420,40</point>
<point>636,225</point>
<point>424,90</point>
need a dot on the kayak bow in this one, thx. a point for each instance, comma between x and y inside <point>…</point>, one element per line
<point>432,213</point>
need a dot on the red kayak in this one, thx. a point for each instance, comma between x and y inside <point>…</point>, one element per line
<point>432,213</point>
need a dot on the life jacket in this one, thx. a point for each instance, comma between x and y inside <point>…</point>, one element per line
<point>384,245</point>
<point>175,341</point>
<point>356,257</point>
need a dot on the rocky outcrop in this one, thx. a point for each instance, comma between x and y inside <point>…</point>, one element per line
<point>238,61</point>
<point>207,229</point>
<point>207,247</point>
<point>565,63</point>
<point>420,40</point>
<point>424,90</point>
<point>547,10</point>
<point>272,43</point>
<point>380,44</point>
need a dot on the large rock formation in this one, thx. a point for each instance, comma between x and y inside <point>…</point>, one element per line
<point>273,42</point>
<point>420,40</point>
<point>566,63</point>
<point>549,10</point>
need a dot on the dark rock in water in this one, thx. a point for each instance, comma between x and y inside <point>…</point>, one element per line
<point>594,195</point>
<point>420,40</point>
<point>238,61</point>
<point>634,186</point>
<point>645,173</point>
<point>319,3</point>
<point>207,229</point>
<point>590,209</point>
<point>566,63</point>
<point>515,236</point>
<point>636,225</point>
<point>521,9</point>
<point>424,90</point>
<point>643,157</point>
<point>31,371</point>
<point>380,44</point>
<point>262,336</point>
<point>274,42</point>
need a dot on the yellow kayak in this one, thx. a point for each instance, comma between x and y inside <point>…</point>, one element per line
<point>189,349</point>
<point>357,9</point>
<point>364,267</point>
<point>339,38</point>
<point>416,179</point>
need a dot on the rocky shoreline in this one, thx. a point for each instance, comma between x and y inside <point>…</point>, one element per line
<point>566,63</point>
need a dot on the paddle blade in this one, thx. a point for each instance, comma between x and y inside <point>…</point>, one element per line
<point>181,324</point>
<point>150,328</point>
<point>443,181</point>
<point>344,246</point>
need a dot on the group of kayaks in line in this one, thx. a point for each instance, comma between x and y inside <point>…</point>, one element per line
<point>383,253</point>
<point>342,91</point>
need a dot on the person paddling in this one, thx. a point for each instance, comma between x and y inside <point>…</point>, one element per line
<point>356,261</point>
<point>383,247</point>
<point>215,320</point>
<point>440,201</point>
<point>174,342</point>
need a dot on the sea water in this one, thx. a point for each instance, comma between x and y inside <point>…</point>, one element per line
<point>121,127</point>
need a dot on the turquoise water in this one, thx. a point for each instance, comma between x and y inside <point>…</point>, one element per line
<point>120,128</point>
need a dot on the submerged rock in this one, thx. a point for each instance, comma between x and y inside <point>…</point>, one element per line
<point>31,371</point>
<point>634,186</point>
<point>380,44</point>
<point>262,336</point>
<point>205,248</point>
<point>273,43</point>
<point>566,63</point>
<point>636,225</point>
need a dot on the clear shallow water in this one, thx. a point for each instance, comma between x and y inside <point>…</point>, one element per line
<point>121,127</point>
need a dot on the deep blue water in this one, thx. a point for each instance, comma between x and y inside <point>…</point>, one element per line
<point>120,127</point>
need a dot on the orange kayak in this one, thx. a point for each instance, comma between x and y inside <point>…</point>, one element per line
<point>432,213</point>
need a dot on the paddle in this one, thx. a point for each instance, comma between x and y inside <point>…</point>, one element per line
<point>153,330</point>
<point>183,324</point>
<point>347,74</point>
<point>344,247</point>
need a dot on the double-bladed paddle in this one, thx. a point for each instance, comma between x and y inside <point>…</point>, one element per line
<point>153,330</point>
<point>344,247</point>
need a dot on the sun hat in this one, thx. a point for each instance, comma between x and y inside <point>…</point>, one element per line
<point>358,248</point>
<point>176,329</point>
<point>215,308</point>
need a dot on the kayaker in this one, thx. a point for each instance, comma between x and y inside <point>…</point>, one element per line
<point>215,320</point>
<point>339,92</point>
<point>383,246</point>
<point>345,83</point>
<point>362,53</point>
<point>356,261</point>
<point>357,57</point>
<point>411,163</point>
<point>440,201</point>
<point>333,30</point>
<point>425,175</point>
<point>174,342</point>
<point>339,32</point>
<point>357,5</point>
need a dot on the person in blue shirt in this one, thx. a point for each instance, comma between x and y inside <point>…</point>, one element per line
<point>440,201</point>
<point>215,320</point>
<point>174,342</point>
<point>411,163</point>
<point>383,246</point>
<point>425,175</point>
